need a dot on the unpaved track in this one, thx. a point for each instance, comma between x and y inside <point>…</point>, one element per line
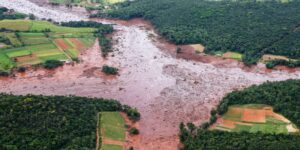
<point>166,90</point>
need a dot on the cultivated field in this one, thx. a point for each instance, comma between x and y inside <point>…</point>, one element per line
<point>254,118</point>
<point>112,131</point>
<point>34,42</point>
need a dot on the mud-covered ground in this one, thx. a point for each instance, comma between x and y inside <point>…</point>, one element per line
<point>166,90</point>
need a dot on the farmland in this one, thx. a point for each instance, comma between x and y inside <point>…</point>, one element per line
<point>34,42</point>
<point>112,129</point>
<point>254,118</point>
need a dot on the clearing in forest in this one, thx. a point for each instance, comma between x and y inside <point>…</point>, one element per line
<point>254,118</point>
<point>111,131</point>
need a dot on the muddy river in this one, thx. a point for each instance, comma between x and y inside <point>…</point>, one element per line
<point>167,90</point>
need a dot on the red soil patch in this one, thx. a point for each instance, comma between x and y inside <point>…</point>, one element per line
<point>77,44</point>
<point>228,124</point>
<point>235,110</point>
<point>25,58</point>
<point>62,44</point>
<point>131,140</point>
<point>254,115</point>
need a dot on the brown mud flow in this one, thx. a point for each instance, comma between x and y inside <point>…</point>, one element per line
<point>165,89</point>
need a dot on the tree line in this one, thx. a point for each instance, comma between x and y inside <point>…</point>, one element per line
<point>252,28</point>
<point>34,122</point>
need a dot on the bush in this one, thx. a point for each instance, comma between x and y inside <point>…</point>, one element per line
<point>52,64</point>
<point>21,69</point>
<point>134,131</point>
<point>133,114</point>
<point>4,73</point>
<point>109,70</point>
<point>178,50</point>
<point>130,148</point>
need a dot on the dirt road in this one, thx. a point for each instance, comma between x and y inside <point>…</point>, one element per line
<point>166,90</point>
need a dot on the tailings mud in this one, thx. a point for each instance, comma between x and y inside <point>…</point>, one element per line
<point>165,89</point>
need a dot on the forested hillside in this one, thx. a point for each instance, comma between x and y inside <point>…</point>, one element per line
<point>249,27</point>
<point>50,122</point>
<point>283,96</point>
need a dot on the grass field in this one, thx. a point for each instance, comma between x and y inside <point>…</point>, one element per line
<point>111,147</point>
<point>30,45</point>
<point>112,128</point>
<point>254,118</point>
<point>233,55</point>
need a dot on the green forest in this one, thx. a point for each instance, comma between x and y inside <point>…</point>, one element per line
<point>51,122</point>
<point>285,99</point>
<point>248,27</point>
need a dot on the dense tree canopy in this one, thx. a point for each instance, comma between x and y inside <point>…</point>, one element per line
<point>50,122</point>
<point>285,99</point>
<point>222,140</point>
<point>249,27</point>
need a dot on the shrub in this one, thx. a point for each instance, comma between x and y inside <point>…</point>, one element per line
<point>21,69</point>
<point>134,131</point>
<point>109,70</point>
<point>178,50</point>
<point>133,114</point>
<point>52,64</point>
<point>130,148</point>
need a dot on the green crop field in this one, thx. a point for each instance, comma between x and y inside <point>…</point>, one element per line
<point>21,25</point>
<point>29,44</point>
<point>42,25</point>
<point>112,126</point>
<point>111,147</point>
<point>253,118</point>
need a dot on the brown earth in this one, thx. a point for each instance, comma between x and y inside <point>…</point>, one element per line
<point>62,44</point>
<point>77,44</point>
<point>164,87</point>
<point>254,115</point>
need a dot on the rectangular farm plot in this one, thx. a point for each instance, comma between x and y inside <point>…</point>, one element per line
<point>254,115</point>
<point>112,126</point>
<point>111,147</point>
<point>62,44</point>
<point>21,25</point>
<point>5,63</point>
<point>43,25</point>
<point>76,43</point>
<point>27,60</point>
